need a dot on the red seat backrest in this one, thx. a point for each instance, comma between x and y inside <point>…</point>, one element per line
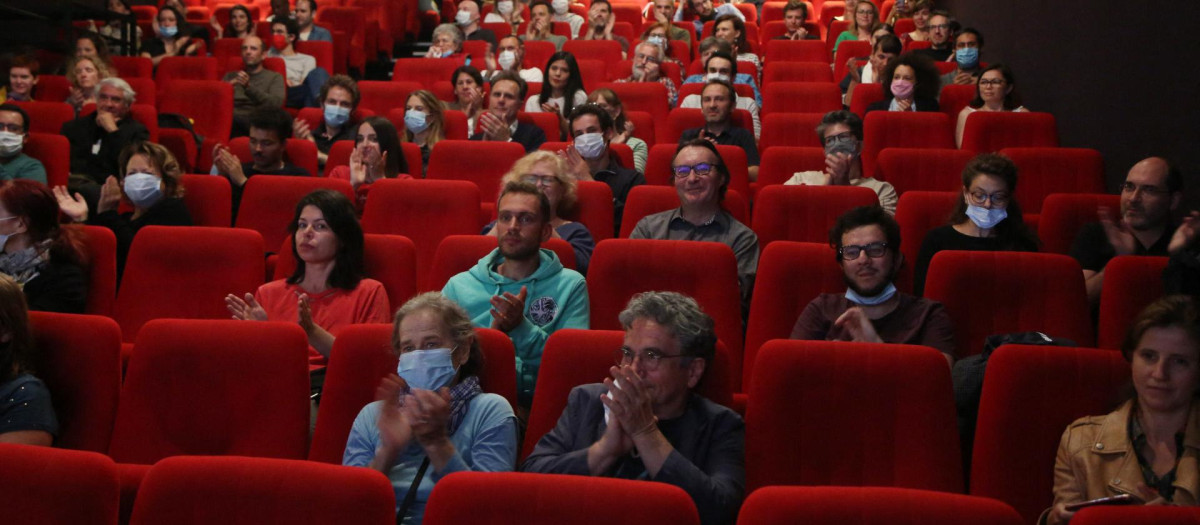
<point>680,120</point>
<point>801,97</point>
<point>537,53</point>
<point>988,131</point>
<point>923,169</point>
<point>903,129</point>
<point>1055,170</point>
<point>208,199</point>
<point>650,97</point>
<point>1030,394</point>
<point>425,71</point>
<point>621,268</point>
<point>102,269</point>
<point>547,121</point>
<point>593,70</point>
<point>789,129</point>
<point>1163,515</point>
<point>37,480</point>
<point>649,199</point>
<point>864,505</point>
<point>389,259</point>
<point>458,160</point>
<point>362,356</point>
<point>425,211</point>
<point>918,212</point>
<point>901,432</point>
<point>170,274</point>
<point>225,49</point>
<point>594,208</point>
<point>269,203</point>
<point>176,362</point>
<point>52,88</point>
<point>47,117</point>
<point>643,125</point>
<point>127,67</point>
<point>797,51</point>
<point>79,359</point>
<point>209,103</point>
<point>381,96</point>
<point>320,50</point>
<point>1065,213</point>
<point>302,153</point>
<point>54,152</point>
<point>804,213</point>
<point>796,72</point>
<point>954,98</point>
<point>865,95</point>
<point>186,68</point>
<point>1029,291</point>
<point>780,162</point>
<point>607,51</point>
<point>1131,283</point>
<point>848,49</point>
<point>459,253</point>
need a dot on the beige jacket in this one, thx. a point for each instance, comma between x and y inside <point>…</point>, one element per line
<point>1096,460</point>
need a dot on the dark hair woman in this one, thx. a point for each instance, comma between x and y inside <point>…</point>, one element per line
<point>45,258</point>
<point>24,401</point>
<point>377,155</point>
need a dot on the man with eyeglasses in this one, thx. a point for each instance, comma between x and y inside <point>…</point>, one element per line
<point>841,132</point>
<point>941,33</point>
<point>646,422</point>
<point>701,179</point>
<point>14,133</point>
<point>520,288</point>
<point>967,47</point>
<point>867,241</point>
<point>717,100</point>
<point>591,158</point>
<point>647,67</point>
<point>1151,192</point>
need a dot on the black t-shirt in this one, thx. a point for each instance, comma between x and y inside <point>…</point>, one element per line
<point>1092,250</point>
<point>325,142</point>
<point>485,35</point>
<point>733,136</point>
<point>937,55</point>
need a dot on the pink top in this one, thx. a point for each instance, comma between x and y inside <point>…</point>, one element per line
<point>343,173</point>
<point>331,309</point>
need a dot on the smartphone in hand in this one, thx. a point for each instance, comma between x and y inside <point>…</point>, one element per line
<point>1119,499</point>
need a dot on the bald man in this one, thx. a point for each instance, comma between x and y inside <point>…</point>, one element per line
<point>254,86</point>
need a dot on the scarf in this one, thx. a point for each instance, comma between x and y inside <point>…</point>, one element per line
<point>461,396</point>
<point>25,265</point>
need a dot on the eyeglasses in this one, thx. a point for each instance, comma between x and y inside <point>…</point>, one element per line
<point>540,180</point>
<point>874,250</point>
<point>1147,190</point>
<point>650,358</point>
<point>12,128</point>
<point>992,82</point>
<point>701,170</point>
<point>645,58</point>
<point>939,26</point>
<point>840,137</point>
<point>523,219</point>
<point>978,198</point>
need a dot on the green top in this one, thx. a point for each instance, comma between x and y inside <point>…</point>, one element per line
<point>23,167</point>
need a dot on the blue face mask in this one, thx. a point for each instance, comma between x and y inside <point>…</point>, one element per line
<point>170,32</point>
<point>336,115</point>
<point>967,57</point>
<point>415,121</point>
<point>142,189</point>
<point>863,300</point>
<point>985,218</point>
<point>427,369</point>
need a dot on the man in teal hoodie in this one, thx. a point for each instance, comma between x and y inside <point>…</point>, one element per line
<point>519,288</point>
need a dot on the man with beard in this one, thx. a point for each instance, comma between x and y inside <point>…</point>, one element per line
<point>1152,190</point>
<point>867,240</point>
<point>270,128</point>
<point>520,288</point>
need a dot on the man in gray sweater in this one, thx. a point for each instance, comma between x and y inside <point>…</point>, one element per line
<point>254,87</point>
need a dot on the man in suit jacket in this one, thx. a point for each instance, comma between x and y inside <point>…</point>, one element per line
<point>499,123</point>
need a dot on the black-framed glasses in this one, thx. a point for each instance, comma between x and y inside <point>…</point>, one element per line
<point>703,169</point>
<point>978,198</point>
<point>874,250</point>
<point>650,358</point>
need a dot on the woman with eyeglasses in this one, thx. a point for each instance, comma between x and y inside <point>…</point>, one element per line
<point>996,90</point>
<point>549,172</point>
<point>862,24</point>
<point>986,218</point>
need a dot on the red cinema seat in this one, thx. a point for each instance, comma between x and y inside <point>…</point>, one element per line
<point>459,160</point>
<point>195,490</point>
<point>209,103</point>
<point>901,432</point>
<point>649,199</point>
<point>903,129</point>
<point>579,357</point>
<point>537,53</point>
<point>302,153</point>
<point>353,22</point>
<point>381,96</point>
<point>47,117</point>
<point>796,71</point>
<point>804,213</point>
<point>79,359</point>
<point>496,498</point>
<point>954,98</point>
<point>1131,283</point>
<point>1064,214</point>
<point>362,355</point>
<point>459,253</point>
<point>549,124</point>
<point>918,212</point>
<point>849,49</point>
<point>789,130</point>
<point>1160,515</point>
<point>1044,171</point>
<point>225,49</point>
<point>339,153</point>
<point>621,268</point>
<point>1029,292</point>
<point>790,275</point>
<point>425,211</point>
<point>658,166</point>
<point>186,68</point>
<point>456,125</point>
<point>680,120</point>
<point>269,203</point>
<point>924,169</point>
<point>147,116</point>
<point>425,71</point>
<point>594,208</point>
<point>988,131</point>
<point>650,97</point>
<point>389,259</point>
<point>779,163</point>
<point>777,28</point>
<point>320,50</point>
<point>801,97</point>
<point>1030,395</point>
<point>54,152</point>
<point>865,95</point>
<point>868,505</point>
<point>38,483</point>
<point>812,51</point>
<point>607,51</point>
<point>208,200</point>
<point>773,11</point>
<point>127,67</point>
<point>623,152</point>
<point>170,274</point>
<point>643,125</point>
<point>52,88</point>
<point>102,269</point>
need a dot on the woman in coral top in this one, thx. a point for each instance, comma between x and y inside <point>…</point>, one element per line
<point>328,290</point>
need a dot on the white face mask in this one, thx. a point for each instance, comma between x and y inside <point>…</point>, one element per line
<point>985,218</point>
<point>142,189</point>
<point>561,6</point>
<point>463,18</point>
<point>10,143</point>
<point>505,7</point>
<point>507,59</point>
<point>716,76</point>
<point>590,145</point>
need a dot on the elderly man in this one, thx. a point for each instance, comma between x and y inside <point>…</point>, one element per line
<point>647,67</point>
<point>940,35</point>
<point>590,158</point>
<point>600,25</point>
<point>646,422</point>
<point>499,123</point>
<point>867,240</point>
<point>520,288</point>
<point>720,65</point>
<point>305,10</point>
<point>14,132</point>
<point>254,87</point>
<point>663,11</point>
<point>713,45</point>
<point>842,132</point>
<point>701,179</point>
<point>510,56</point>
<point>717,100</point>
<point>1151,192</point>
<point>467,19</point>
<point>967,47</point>
<point>98,138</point>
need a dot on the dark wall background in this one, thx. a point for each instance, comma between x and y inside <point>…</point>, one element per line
<point>1119,76</point>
